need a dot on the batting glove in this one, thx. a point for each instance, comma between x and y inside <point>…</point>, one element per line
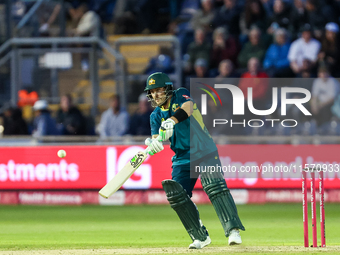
<point>167,129</point>
<point>154,146</point>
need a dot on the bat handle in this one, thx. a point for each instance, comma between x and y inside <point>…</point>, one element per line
<point>147,150</point>
<point>159,138</point>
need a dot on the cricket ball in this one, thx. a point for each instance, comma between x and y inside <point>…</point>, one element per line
<point>61,154</point>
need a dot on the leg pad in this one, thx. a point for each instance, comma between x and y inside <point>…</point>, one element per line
<point>223,202</point>
<point>185,209</point>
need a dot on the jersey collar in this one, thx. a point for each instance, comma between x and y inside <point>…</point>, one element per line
<point>162,107</point>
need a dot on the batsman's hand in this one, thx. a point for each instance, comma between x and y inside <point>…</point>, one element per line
<point>154,146</point>
<point>167,129</point>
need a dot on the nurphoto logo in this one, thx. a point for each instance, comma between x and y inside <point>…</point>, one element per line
<point>238,106</point>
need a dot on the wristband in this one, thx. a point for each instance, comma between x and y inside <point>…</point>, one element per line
<point>180,115</point>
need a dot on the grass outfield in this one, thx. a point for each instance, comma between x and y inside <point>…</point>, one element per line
<point>270,228</point>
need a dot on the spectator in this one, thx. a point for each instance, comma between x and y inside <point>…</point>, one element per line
<point>139,16</point>
<point>160,63</point>
<point>317,17</point>
<point>89,23</point>
<point>335,5</point>
<point>204,16</point>
<point>276,61</point>
<point>114,121</point>
<point>228,16</point>
<point>218,3</point>
<point>200,48</point>
<point>330,54</point>
<point>260,86</point>
<point>298,17</point>
<point>43,123</point>
<point>200,71</point>
<point>48,16</point>
<point>304,48</point>
<point>224,47</point>
<point>307,69</point>
<point>216,112</point>
<point>201,68</point>
<point>13,122</point>
<point>254,71</point>
<point>104,9</point>
<point>325,89</point>
<point>254,14</point>
<point>268,6</point>
<point>125,17</point>
<point>70,118</point>
<point>151,10</point>
<point>140,121</point>
<point>226,69</point>
<point>187,9</point>
<point>253,48</point>
<point>280,17</point>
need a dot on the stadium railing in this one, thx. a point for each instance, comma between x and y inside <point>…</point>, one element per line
<point>176,77</point>
<point>45,59</point>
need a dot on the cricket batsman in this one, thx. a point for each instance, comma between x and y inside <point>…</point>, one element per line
<point>176,118</point>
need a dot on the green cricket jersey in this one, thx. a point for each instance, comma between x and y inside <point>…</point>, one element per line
<point>191,139</point>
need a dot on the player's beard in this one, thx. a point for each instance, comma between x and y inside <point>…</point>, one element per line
<point>161,100</point>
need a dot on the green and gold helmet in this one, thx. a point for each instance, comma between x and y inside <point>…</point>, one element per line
<point>158,80</point>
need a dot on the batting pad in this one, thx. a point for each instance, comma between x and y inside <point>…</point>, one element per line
<point>223,202</point>
<point>185,209</point>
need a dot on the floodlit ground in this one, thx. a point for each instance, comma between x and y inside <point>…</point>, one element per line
<point>270,229</point>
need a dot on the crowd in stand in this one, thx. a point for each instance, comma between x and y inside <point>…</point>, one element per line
<point>289,39</point>
<point>231,39</point>
<point>69,120</point>
<point>255,39</point>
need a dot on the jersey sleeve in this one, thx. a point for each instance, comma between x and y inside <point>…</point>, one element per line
<point>155,123</point>
<point>183,95</point>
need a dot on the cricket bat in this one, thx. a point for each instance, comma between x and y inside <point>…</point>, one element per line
<point>121,177</point>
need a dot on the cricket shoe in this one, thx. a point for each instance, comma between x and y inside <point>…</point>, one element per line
<point>197,244</point>
<point>234,237</point>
